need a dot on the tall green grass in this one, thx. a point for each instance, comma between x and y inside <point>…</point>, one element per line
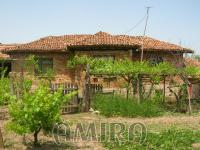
<point>4,90</point>
<point>110,105</point>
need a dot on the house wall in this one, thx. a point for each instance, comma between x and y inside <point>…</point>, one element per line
<point>118,83</point>
<point>59,65</point>
<point>195,91</point>
<point>62,73</point>
<point>118,54</point>
<point>77,75</point>
<point>174,58</point>
<point>171,57</point>
<point>60,59</point>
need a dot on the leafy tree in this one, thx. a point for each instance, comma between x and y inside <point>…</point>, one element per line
<point>36,110</point>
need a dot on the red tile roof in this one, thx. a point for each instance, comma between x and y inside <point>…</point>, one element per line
<point>3,47</point>
<point>151,44</point>
<point>103,38</point>
<point>191,62</point>
<point>61,43</point>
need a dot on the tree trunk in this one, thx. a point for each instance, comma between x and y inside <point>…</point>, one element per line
<point>128,89</point>
<point>150,90</point>
<point>12,88</point>
<point>127,92</point>
<point>128,80</point>
<point>189,99</point>
<point>1,140</point>
<point>36,136</point>
<point>87,89</point>
<point>189,85</point>
<point>140,89</point>
<point>134,86</point>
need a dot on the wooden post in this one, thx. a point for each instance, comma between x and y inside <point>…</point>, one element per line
<point>21,78</point>
<point>164,88</point>
<point>87,89</point>
<point>11,84</point>
<point>189,89</point>
<point>1,140</point>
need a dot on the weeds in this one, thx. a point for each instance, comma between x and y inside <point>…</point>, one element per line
<point>4,88</point>
<point>168,139</point>
<point>109,105</point>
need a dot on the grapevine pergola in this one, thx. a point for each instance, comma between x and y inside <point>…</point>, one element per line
<point>132,71</point>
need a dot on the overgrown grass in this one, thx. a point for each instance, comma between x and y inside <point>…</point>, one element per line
<point>168,139</point>
<point>110,105</point>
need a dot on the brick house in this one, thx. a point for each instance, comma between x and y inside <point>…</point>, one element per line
<point>54,51</point>
<point>5,61</point>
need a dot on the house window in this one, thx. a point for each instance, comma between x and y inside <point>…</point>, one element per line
<point>156,60</point>
<point>45,64</point>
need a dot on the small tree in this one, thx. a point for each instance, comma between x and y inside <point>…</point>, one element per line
<point>36,110</point>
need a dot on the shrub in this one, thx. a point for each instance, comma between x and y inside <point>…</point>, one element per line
<point>35,111</point>
<point>110,105</point>
<point>171,138</point>
<point>4,89</point>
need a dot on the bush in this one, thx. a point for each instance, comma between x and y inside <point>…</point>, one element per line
<point>36,110</point>
<point>109,105</point>
<point>4,90</point>
<point>171,138</point>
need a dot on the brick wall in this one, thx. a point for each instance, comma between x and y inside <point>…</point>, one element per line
<point>59,65</point>
<point>77,75</point>
<point>171,57</point>
<point>118,54</point>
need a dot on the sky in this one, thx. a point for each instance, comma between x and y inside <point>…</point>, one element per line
<point>175,21</point>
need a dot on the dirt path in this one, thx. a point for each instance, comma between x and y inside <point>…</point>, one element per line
<point>164,120</point>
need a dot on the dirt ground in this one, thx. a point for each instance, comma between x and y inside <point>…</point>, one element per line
<point>16,142</point>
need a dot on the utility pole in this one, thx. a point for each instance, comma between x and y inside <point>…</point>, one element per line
<point>139,82</point>
<point>144,33</point>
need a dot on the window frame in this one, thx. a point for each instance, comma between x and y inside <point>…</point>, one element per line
<point>154,60</point>
<point>41,63</point>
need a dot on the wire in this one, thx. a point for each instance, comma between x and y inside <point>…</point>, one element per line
<point>138,23</point>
